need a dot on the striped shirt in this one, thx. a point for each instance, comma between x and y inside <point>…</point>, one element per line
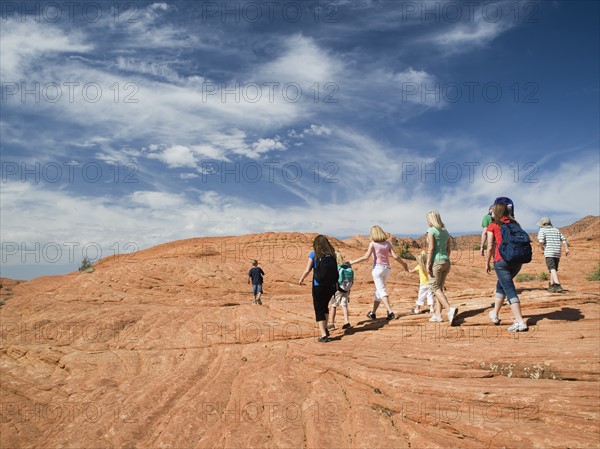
<point>551,237</point>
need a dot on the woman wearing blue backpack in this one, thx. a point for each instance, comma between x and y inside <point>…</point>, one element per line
<point>505,270</point>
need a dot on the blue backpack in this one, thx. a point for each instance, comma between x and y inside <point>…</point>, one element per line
<point>516,244</point>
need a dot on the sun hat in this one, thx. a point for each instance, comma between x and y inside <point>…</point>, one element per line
<point>545,221</point>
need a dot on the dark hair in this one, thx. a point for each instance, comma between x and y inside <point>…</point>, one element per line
<point>322,247</point>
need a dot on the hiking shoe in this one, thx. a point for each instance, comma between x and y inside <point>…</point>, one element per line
<point>371,315</point>
<point>552,288</point>
<point>494,317</point>
<point>346,326</point>
<point>452,315</point>
<point>518,327</point>
<point>327,332</point>
<point>436,318</point>
<point>259,302</point>
<point>324,339</point>
<point>390,316</point>
<point>331,326</point>
<point>558,288</point>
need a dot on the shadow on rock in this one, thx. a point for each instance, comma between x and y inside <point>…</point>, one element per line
<point>564,314</point>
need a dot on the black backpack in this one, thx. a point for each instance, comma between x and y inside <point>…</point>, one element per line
<point>516,244</point>
<point>326,273</point>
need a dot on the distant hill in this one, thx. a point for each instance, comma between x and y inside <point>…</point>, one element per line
<point>586,228</point>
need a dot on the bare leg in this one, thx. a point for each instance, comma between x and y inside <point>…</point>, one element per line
<point>375,305</point>
<point>437,307</point>
<point>322,326</point>
<point>441,297</point>
<point>515,307</point>
<point>498,305</point>
<point>333,310</point>
<point>554,277</point>
<point>345,311</point>
<point>386,303</point>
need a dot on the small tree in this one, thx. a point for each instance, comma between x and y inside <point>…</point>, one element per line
<point>85,264</point>
<point>405,253</point>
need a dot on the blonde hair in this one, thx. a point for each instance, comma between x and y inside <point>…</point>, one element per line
<point>434,220</point>
<point>422,261</point>
<point>377,234</point>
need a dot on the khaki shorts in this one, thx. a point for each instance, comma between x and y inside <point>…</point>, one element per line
<point>340,299</point>
<point>440,271</point>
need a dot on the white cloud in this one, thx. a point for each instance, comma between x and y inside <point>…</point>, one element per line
<point>175,156</point>
<point>157,200</point>
<point>303,61</point>
<point>566,193</point>
<point>481,27</point>
<point>262,146</point>
<point>23,43</point>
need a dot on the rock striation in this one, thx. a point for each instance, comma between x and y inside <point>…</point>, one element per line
<point>163,349</point>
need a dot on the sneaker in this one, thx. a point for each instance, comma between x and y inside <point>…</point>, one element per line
<point>346,326</point>
<point>331,326</point>
<point>518,327</point>
<point>327,332</point>
<point>558,288</point>
<point>324,339</point>
<point>416,310</point>
<point>371,315</point>
<point>552,288</point>
<point>436,318</point>
<point>494,317</point>
<point>390,316</point>
<point>259,302</point>
<point>452,315</point>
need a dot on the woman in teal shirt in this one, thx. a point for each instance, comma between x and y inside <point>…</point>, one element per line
<point>438,265</point>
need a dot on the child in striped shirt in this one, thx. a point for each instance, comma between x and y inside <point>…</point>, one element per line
<point>550,239</point>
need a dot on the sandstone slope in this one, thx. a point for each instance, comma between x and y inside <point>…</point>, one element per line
<point>162,349</point>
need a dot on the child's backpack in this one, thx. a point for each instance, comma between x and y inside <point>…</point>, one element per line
<point>326,273</point>
<point>346,278</point>
<point>516,244</point>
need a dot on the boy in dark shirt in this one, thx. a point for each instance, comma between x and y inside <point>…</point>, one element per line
<point>255,275</point>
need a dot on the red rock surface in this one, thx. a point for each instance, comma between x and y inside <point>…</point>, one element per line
<point>162,349</point>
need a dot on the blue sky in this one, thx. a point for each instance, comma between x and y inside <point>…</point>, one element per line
<point>126,125</point>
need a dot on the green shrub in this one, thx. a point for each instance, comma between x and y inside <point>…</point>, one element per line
<point>405,253</point>
<point>595,276</point>
<point>86,264</point>
<point>524,277</point>
<point>543,276</point>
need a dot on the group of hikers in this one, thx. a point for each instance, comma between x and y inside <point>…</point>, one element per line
<point>502,240</point>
